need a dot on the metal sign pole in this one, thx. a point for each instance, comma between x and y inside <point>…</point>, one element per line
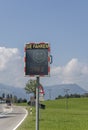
<point>37,62</point>
<point>37,104</point>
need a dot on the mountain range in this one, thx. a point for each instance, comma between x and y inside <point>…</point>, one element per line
<point>51,92</point>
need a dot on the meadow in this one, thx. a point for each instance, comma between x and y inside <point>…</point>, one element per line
<point>57,116</point>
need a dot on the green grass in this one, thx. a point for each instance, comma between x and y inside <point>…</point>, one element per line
<point>57,117</point>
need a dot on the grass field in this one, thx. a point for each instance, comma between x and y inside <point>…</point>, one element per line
<point>56,116</point>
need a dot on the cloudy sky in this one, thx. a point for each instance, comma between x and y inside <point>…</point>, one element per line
<point>62,23</point>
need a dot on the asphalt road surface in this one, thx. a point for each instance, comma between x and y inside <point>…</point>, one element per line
<point>11,117</point>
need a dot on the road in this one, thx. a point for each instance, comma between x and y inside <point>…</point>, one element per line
<point>11,117</point>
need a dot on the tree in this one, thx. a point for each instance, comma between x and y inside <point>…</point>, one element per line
<point>31,87</point>
<point>3,95</point>
<point>7,96</point>
<point>15,99</point>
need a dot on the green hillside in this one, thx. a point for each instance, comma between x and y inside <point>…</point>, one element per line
<point>56,116</point>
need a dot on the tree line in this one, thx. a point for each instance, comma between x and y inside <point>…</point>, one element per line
<point>72,96</point>
<point>12,98</point>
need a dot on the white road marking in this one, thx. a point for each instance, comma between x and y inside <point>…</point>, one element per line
<point>21,120</point>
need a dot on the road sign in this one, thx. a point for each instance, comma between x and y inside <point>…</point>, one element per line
<point>41,93</point>
<point>37,59</point>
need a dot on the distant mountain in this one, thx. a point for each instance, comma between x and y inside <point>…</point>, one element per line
<point>19,92</point>
<point>51,92</point>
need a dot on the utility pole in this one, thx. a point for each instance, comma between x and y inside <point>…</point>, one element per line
<point>66,90</point>
<point>49,93</point>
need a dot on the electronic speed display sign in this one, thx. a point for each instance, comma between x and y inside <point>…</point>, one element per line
<point>37,59</point>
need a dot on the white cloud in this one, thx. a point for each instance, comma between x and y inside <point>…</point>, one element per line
<point>73,72</point>
<point>5,56</point>
<point>11,67</point>
<point>12,71</point>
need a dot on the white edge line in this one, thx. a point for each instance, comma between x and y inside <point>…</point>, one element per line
<point>21,120</point>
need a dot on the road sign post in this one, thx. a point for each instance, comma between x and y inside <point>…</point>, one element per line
<point>37,63</point>
<point>37,104</point>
